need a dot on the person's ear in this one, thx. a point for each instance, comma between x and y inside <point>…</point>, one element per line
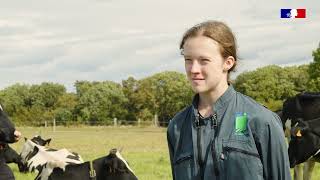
<point>228,63</point>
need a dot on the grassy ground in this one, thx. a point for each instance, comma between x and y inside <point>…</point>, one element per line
<point>144,148</point>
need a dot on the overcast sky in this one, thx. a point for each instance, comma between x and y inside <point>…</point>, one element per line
<point>69,40</point>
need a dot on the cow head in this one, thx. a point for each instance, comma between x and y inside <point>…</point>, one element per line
<point>6,128</point>
<point>304,143</point>
<point>29,150</point>
<point>115,167</point>
<point>40,141</point>
<point>301,106</point>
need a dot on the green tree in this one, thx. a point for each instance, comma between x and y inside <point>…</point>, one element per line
<point>43,99</point>
<point>271,85</point>
<point>46,94</point>
<point>163,94</point>
<point>65,110</point>
<point>102,102</point>
<point>15,100</point>
<point>14,97</point>
<point>83,86</point>
<point>314,71</point>
<point>130,88</point>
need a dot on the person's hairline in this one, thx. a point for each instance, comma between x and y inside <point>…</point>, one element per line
<point>201,33</point>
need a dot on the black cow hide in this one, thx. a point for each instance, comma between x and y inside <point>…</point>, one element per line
<point>6,136</point>
<point>11,156</point>
<point>304,112</point>
<point>6,128</point>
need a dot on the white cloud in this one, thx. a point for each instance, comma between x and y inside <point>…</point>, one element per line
<point>42,40</point>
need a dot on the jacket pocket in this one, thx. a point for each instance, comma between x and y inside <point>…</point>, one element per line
<point>182,167</point>
<point>241,162</point>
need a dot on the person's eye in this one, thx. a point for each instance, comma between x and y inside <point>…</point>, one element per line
<point>205,60</point>
<point>187,60</point>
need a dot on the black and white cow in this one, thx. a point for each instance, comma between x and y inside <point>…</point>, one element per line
<point>110,167</point>
<point>303,111</point>
<point>8,134</point>
<point>35,156</point>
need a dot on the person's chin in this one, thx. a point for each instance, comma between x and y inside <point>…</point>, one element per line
<point>198,89</point>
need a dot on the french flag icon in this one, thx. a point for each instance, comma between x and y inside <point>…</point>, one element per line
<point>293,13</point>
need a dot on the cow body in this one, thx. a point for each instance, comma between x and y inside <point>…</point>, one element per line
<point>111,167</point>
<point>35,156</point>
<point>303,111</point>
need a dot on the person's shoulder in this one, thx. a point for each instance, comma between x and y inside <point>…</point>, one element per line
<point>178,119</point>
<point>260,113</point>
<point>248,101</point>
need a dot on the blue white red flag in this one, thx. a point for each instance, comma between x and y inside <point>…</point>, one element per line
<point>293,13</point>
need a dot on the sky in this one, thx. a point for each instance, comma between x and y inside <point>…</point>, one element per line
<point>97,40</point>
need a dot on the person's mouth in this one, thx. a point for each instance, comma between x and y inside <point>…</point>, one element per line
<point>197,79</point>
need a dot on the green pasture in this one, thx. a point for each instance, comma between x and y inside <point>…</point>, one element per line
<point>144,148</point>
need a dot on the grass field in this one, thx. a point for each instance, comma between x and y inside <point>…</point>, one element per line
<point>144,148</point>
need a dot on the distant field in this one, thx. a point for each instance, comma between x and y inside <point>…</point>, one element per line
<point>144,148</point>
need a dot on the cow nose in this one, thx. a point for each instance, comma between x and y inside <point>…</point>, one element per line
<point>17,135</point>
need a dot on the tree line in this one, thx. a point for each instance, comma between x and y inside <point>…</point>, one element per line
<point>162,94</point>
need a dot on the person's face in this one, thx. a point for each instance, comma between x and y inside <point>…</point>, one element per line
<point>206,69</point>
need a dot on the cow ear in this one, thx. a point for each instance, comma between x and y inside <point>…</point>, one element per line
<point>48,141</point>
<point>25,139</point>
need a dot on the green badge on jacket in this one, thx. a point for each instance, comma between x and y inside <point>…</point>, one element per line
<point>241,123</point>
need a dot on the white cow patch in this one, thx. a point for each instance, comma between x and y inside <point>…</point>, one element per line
<point>48,168</point>
<point>46,156</point>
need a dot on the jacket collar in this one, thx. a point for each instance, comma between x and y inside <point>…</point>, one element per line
<point>219,104</point>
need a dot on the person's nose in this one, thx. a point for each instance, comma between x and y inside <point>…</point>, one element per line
<point>195,67</point>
